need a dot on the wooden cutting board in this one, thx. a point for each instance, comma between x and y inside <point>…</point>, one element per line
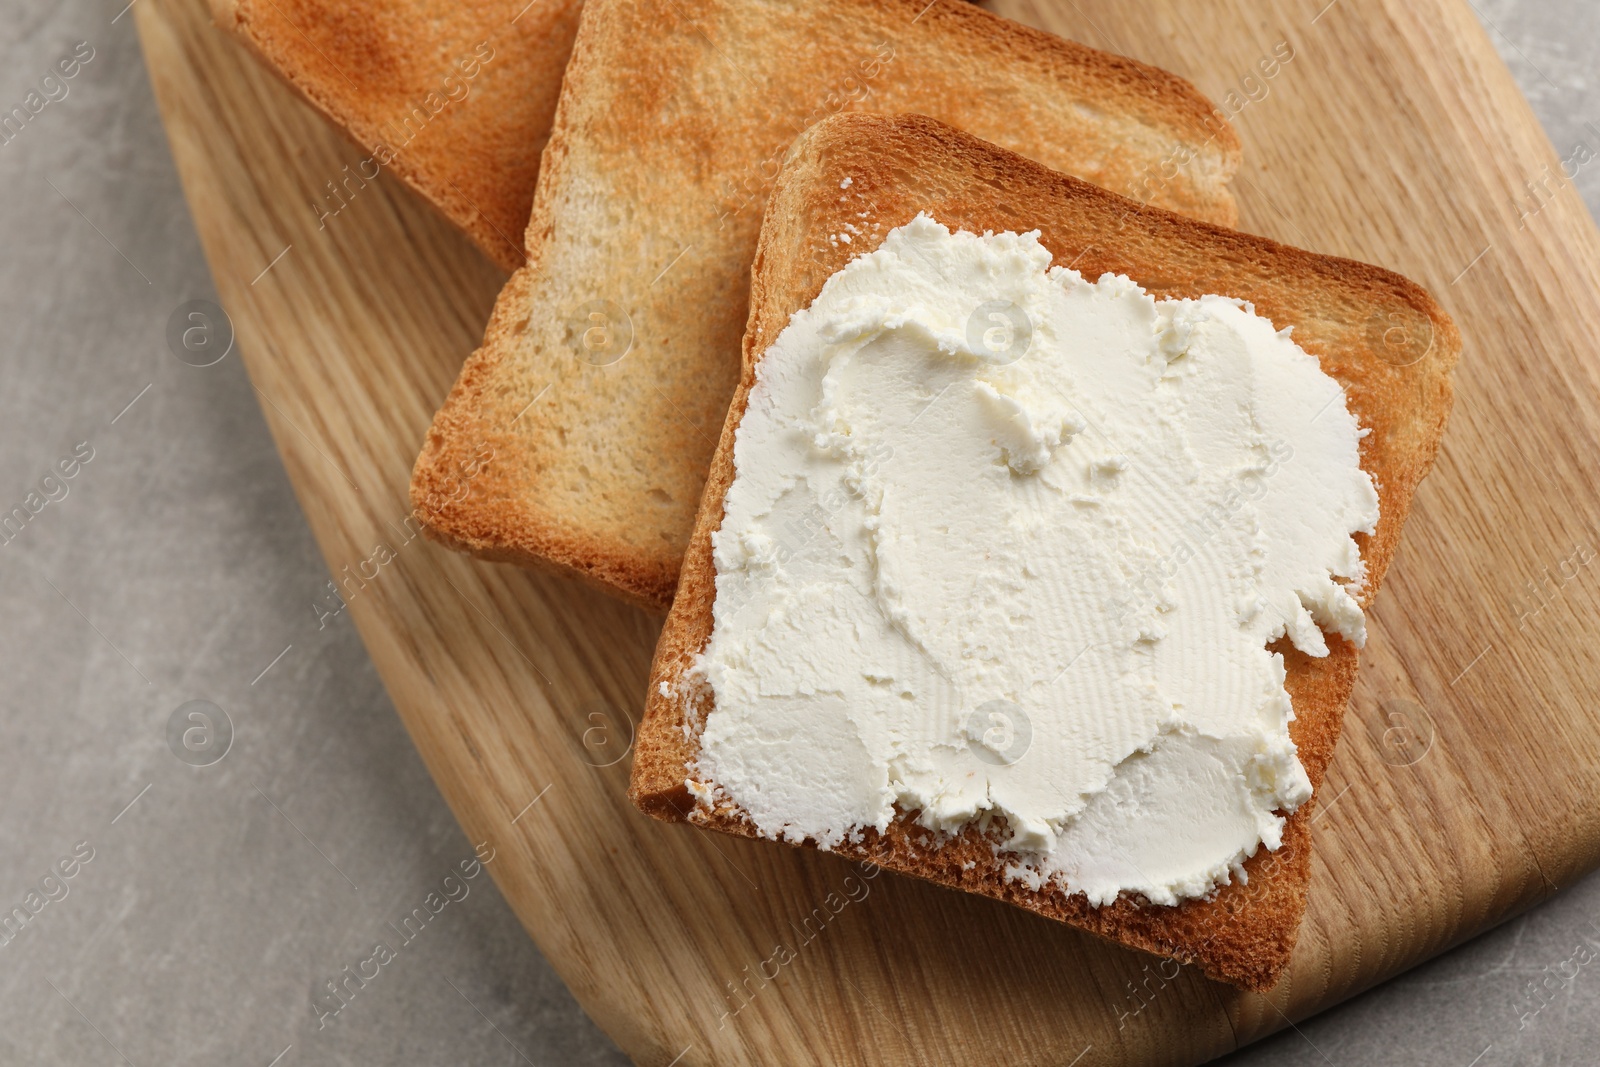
<point>1465,785</point>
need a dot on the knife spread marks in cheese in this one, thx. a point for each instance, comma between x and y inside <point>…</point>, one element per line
<point>1026,561</point>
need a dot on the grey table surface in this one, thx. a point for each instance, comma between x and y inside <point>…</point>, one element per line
<point>207,905</point>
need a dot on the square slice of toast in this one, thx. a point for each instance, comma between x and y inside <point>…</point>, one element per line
<point>1380,336</point>
<point>607,368</point>
<point>455,97</point>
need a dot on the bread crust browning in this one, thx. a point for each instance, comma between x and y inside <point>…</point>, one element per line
<point>463,93</point>
<point>1380,335</point>
<point>664,148</point>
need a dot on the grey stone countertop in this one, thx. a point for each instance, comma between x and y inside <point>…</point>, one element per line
<point>174,565</point>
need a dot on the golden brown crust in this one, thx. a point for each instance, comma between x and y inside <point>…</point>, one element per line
<point>664,149</point>
<point>1378,334</point>
<point>462,92</point>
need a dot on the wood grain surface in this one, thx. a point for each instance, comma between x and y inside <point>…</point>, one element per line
<point>1395,135</point>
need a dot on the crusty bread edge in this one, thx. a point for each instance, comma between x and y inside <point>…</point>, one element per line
<point>444,483</point>
<point>494,532</point>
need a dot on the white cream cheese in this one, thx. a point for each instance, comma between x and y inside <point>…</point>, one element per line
<point>1025,561</point>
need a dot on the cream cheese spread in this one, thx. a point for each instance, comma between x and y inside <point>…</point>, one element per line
<point>1003,542</point>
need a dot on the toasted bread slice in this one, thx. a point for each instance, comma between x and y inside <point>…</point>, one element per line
<point>456,97</point>
<point>609,362</point>
<point>1379,335</point>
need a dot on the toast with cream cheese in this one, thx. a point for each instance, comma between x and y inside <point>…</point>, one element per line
<point>1381,337</point>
